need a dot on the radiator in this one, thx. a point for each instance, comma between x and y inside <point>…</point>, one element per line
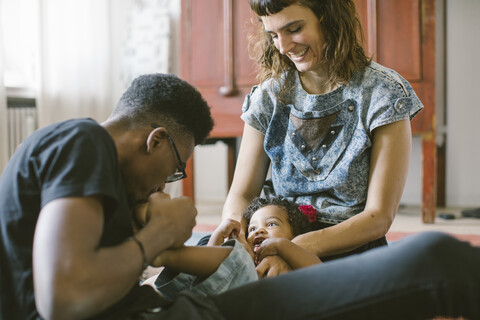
<point>22,121</point>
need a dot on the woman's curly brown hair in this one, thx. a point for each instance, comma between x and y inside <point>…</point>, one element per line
<point>297,220</point>
<point>343,49</point>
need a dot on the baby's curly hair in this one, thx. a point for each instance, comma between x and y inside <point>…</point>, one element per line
<point>298,221</point>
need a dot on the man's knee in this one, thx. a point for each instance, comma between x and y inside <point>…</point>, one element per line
<point>435,245</point>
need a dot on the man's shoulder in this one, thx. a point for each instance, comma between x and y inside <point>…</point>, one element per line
<point>76,135</point>
<point>73,129</point>
<point>82,124</point>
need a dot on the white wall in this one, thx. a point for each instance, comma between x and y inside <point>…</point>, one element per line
<point>123,11</point>
<point>412,195</point>
<point>463,103</point>
<point>210,162</point>
<point>463,120</point>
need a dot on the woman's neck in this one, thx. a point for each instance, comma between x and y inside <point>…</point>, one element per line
<point>315,83</point>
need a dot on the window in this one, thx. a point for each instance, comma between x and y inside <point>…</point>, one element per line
<point>20,24</point>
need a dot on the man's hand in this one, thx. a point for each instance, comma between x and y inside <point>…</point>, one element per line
<point>272,266</point>
<point>228,229</point>
<point>173,216</point>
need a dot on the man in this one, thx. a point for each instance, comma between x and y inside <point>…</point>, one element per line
<point>68,192</point>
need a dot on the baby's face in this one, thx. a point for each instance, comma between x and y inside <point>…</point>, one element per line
<point>268,222</point>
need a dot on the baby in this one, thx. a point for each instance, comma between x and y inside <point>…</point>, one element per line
<point>227,261</point>
<point>271,224</point>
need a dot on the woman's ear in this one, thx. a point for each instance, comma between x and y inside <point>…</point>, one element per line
<point>156,137</point>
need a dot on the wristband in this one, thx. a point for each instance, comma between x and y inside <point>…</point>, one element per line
<point>142,249</point>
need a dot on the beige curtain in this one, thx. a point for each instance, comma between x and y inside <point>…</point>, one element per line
<point>75,64</point>
<point>3,107</point>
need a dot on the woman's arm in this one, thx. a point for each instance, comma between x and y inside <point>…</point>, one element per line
<point>198,261</point>
<point>389,163</point>
<point>250,173</point>
<point>228,229</point>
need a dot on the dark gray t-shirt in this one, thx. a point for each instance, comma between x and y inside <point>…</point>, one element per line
<point>74,158</point>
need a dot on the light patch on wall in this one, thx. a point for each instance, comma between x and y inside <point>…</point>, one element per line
<point>412,194</point>
<point>211,173</point>
<point>147,47</point>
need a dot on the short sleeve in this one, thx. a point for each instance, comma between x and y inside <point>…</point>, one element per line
<point>82,163</point>
<point>392,99</point>
<point>257,109</point>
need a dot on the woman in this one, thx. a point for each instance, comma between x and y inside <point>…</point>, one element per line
<point>334,126</point>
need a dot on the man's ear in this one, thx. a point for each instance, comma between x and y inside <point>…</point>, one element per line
<point>156,137</point>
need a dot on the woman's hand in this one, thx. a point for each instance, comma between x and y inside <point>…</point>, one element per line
<point>228,229</point>
<point>272,266</point>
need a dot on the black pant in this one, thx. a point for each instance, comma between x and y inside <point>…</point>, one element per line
<point>420,277</point>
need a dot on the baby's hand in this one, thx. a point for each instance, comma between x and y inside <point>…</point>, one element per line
<point>272,266</point>
<point>158,261</point>
<point>140,213</point>
<point>139,216</point>
<point>269,247</point>
<point>162,259</point>
<point>228,229</point>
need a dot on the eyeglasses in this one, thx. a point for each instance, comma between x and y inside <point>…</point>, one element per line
<point>180,173</point>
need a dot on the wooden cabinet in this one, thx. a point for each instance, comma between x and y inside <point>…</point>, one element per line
<point>400,34</point>
<point>214,58</point>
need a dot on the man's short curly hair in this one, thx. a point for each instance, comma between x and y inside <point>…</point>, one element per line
<point>298,221</point>
<point>167,100</point>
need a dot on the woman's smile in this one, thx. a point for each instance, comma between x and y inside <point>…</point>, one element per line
<point>298,56</point>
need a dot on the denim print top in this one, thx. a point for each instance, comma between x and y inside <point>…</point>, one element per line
<point>319,145</point>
